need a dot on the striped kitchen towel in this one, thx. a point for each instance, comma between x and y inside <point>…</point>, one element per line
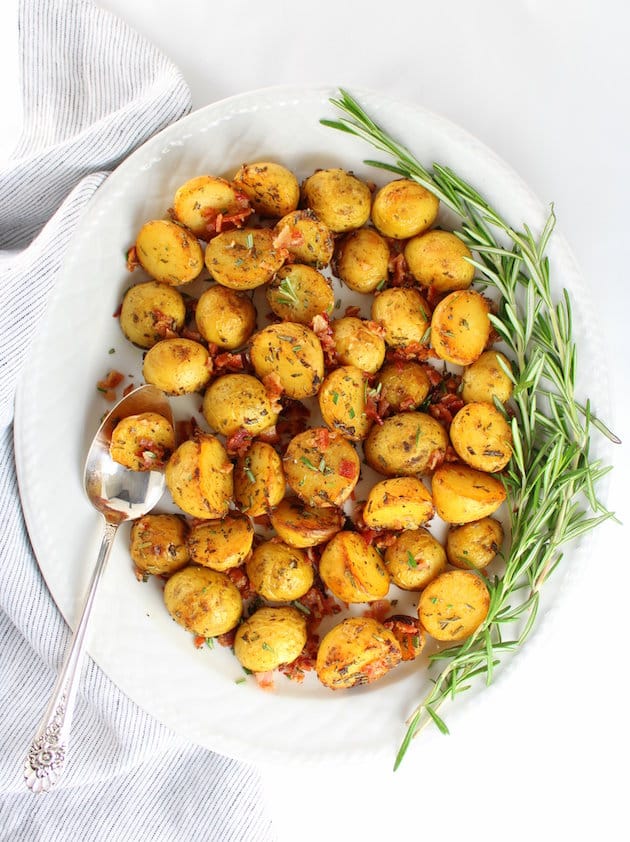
<point>93,92</point>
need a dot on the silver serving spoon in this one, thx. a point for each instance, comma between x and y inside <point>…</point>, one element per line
<point>119,495</point>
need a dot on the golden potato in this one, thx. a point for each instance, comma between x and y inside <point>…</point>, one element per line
<point>259,482</point>
<point>278,572</point>
<point>199,477</point>
<point>352,569</point>
<point>235,402</point>
<point>225,317</point>
<point>298,293</point>
<point>482,437</point>
<point>208,204</point>
<point>406,444</point>
<point>305,238</point>
<point>398,503</point>
<point>462,494</point>
<point>177,366</point>
<point>151,311</point>
<point>453,605</point>
<point>403,385</point>
<point>437,259</point>
<point>402,209</point>
<point>414,559</point>
<point>203,601</point>
<point>362,260</point>
<point>243,259</point>
<point>321,467</point>
<point>474,545</point>
<point>301,525</point>
<point>358,343</point>
<point>339,198</point>
<point>270,637</point>
<point>342,400</point>
<point>485,379</point>
<point>460,327</point>
<point>291,352</point>
<point>358,650</point>
<point>158,544</point>
<point>221,544</point>
<point>272,189</point>
<point>142,442</point>
<point>403,314</point>
<point>168,252</point>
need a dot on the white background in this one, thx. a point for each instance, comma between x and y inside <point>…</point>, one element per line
<point>545,84</point>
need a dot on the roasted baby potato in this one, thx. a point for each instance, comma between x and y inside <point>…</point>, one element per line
<point>206,200</point>
<point>321,467</point>
<point>398,503</point>
<point>221,544</point>
<point>259,482</point>
<point>306,238</point>
<point>358,650</point>
<point>270,637</point>
<point>460,327</point>
<point>298,293</point>
<point>177,366</point>
<point>453,605</point>
<point>462,494</point>
<point>168,252</point>
<point>404,385</point>
<point>199,477</point>
<point>142,442</point>
<point>340,199</point>
<point>352,569</point>
<point>158,544</point>
<point>342,400</point>
<point>151,311</point>
<point>403,314</point>
<point>235,402</point>
<point>402,209</point>
<point>474,545</point>
<point>203,601</point>
<point>225,317</point>
<point>362,260</point>
<point>243,259</point>
<point>278,572</point>
<point>485,379</point>
<point>272,189</point>
<point>438,259</point>
<point>292,353</point>
<point>414,559</point>
<point>481,437</point>
<point>359,343</point>
<point>301,525</point>
<point>406,444</point>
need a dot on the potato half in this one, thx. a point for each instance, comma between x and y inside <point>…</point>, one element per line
<point>352,569</point>
<point>235,402</point>
<point>398,503</point>
<point>293,353</point>
<point>482,437</point>
<point>142,442</point>
<point>362,260</point>
<point>358,343</point>
<point>462,494</point>
<point>404,315</point>
<point>272,189</point>
<point>151,311</point>
<point>158,544</point>
<point>321,467</point>
<point>356,651</point>
<point>439,259</point>
<point>301,525</point>
<point>200,201</point>
<point>453,605</point>
<point>404,385</point>
<point>168,252</point>
<point>259,482</point>
<point>203,601</point>
<point>243,259</point>
<point>474,545</point>
<point>305,238</point>
<point>414,559</point>
<point>460,327</point>
<point>339,198</point>
<point>177,366</point>
<point>225,317</point>
<point>486,379</point>
<point>270,637</point>
<point>299,292</point>
<point>406,444</point>
<point>342,402</point>
<point>403,208</point>
<point>278,572</point>
<point>199,477</point>
<point>221,544</point>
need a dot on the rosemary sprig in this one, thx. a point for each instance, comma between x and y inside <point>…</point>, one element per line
<point>551,479</point>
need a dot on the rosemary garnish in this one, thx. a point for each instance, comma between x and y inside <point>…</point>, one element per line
<point>286,293</point>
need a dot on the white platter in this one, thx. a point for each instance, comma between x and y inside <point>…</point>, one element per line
<point>194,692</point>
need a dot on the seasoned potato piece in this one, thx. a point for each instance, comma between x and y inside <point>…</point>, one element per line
<point>362,260</point>
<point>437,259</point>
<point>272,189</point>
<point>177,366</point>
<point>142,442</point>
<point>340,199</point>
<point>474,544</point>
<point>352,569</point>
<point>259,482</point>
<point>301,525</point>
<point>414,559</point>
<point>398,503</point>
<point>291,352</point>
<point>460,327</point>
<point>321,467</point>
<point>406,444</point>
<point>203,601</point>
<point>409,634</point>
<point>404,385</point>
<point>270,637</point>
<point>306,238</point>
<point>342,398</point>
<point>358,650</point>
<point>168,252</point>
<point>158,544</point>
<point>151,311</point>
<point>238,401</point>
<point>404,316</point>
<point>462,494</point>
<point>199,477</point>
<point>402,209</point>
<point>243,259</point>
<point>221,544</point>
<point>453,605</point>
<point>482,437</point>
<point>206,200</point>
<point>225,317</point>
<point>298,293</point>
<point>278,572</point>
<point>358,343</point>
<point>485,380</point>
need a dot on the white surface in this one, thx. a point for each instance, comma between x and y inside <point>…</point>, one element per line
<point>544,85</point>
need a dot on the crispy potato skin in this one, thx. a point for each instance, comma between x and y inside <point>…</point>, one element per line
<point>243,259</point>
<point>356,651</point>
<point>398,503</point>
<point>453,605</point>
<point>225,317</point>
<point>403,313</point>
<point>342,402</point>
<point>142,442</point>
<point>259,482</point>
<point>353,570</point>
<point>270,637</point>
<point>177,366</point>
<point>462,494</point>
<point>299,292</point>
<point>358,344</point>
<point>460,327</point>
<point>221,544</point>
<point>301,525</point>
<point>203,601</point>
<point>293,353</point>
<point>362,260</point>
<point>168,252</point>
<point>238,401</point>
<point>199,200</point>
<point>158,544</point>
<point>339,199</point>
<point>151,311</point>
<point>404,385</point>
<point>485,380</point>
<point>438,259</point>
<point>414,559</point>
<point>272,189</point>
<point>278,572</point>
<point>406,444</point>
<point>474,545</point>
<point>306,238</point>
<point>481,436</point>
<point>402,209</point>
<point>199,478</point>
<point>321,467</point>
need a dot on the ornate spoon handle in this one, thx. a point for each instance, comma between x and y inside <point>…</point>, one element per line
<point>46,756</point>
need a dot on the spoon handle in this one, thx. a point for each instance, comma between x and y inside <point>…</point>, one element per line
<point>46,756</point>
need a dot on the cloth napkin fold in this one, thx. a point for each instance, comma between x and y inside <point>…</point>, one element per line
<point>93,92</point>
